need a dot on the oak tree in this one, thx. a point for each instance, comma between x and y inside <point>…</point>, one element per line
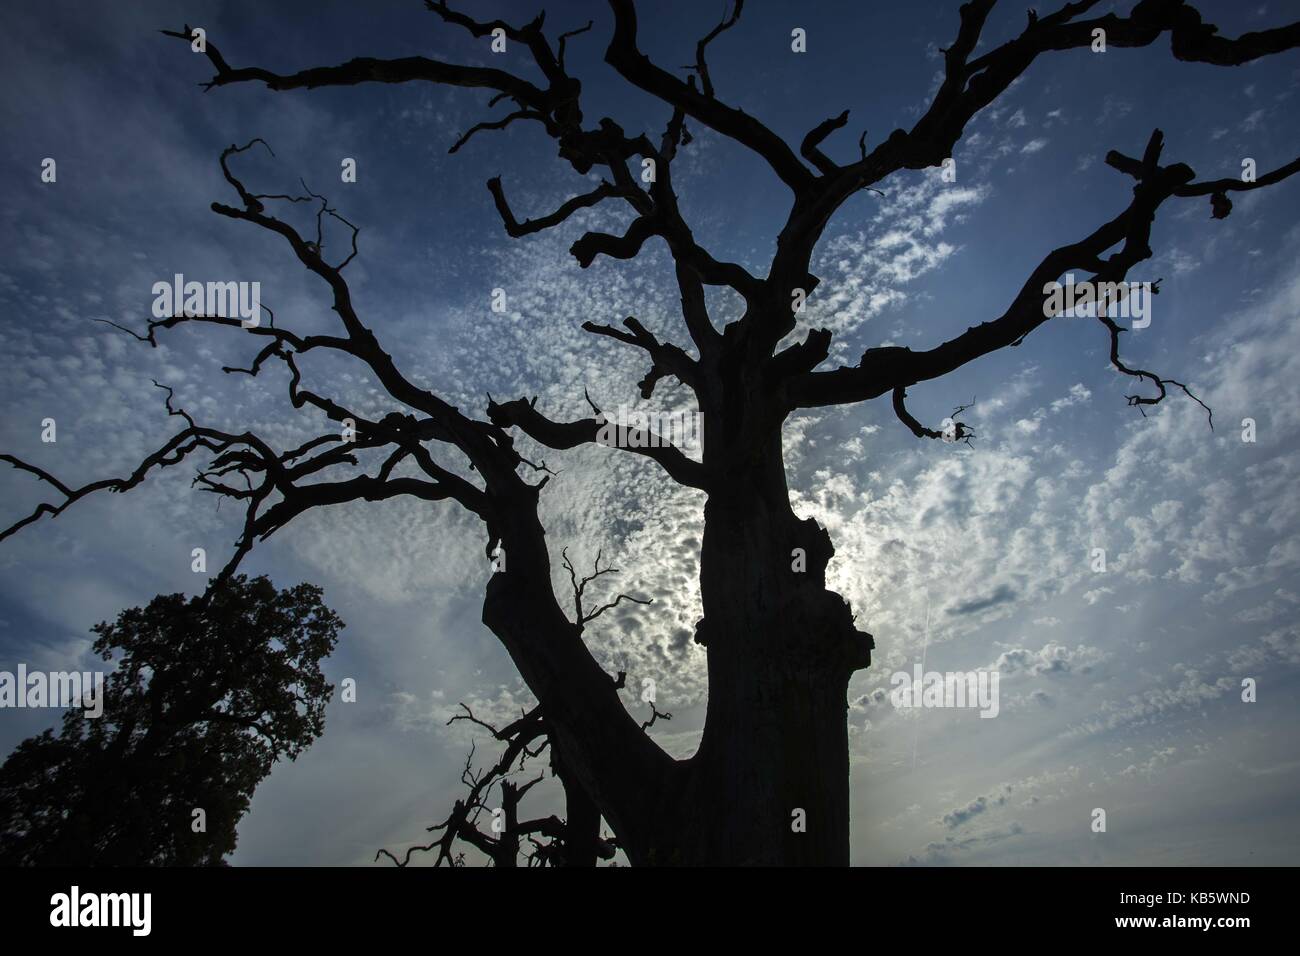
<point>780,646</point>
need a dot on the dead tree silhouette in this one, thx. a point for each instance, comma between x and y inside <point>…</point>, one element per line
<point>544,841</point>
<point>780,646</point>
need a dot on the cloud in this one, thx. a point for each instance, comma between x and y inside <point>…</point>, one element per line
<point>1052,658</point>
<point>1000,595</point>
<point>1078,394</point>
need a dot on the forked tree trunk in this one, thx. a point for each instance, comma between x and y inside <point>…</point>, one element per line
<point>769,784</point>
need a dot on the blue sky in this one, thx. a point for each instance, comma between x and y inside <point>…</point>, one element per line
<point>1119,690</point>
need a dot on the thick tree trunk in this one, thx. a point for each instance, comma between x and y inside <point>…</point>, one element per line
<point>770,782</point>
<point>581,818</point>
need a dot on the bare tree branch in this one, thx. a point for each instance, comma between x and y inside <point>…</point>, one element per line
<point>887,369</point>
<point>959,431</point>
<point>701,66</point>
<point>582,616</point>
<point>515,229</point>
<point>565,435</point>
<point>625,57</point>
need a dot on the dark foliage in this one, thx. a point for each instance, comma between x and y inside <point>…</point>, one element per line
<point>209,692</point>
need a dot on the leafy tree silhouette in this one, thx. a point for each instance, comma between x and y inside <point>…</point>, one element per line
<point>209,692</point>
<point>781,646</point>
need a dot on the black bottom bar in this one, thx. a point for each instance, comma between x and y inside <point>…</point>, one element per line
<point>331,905</point>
